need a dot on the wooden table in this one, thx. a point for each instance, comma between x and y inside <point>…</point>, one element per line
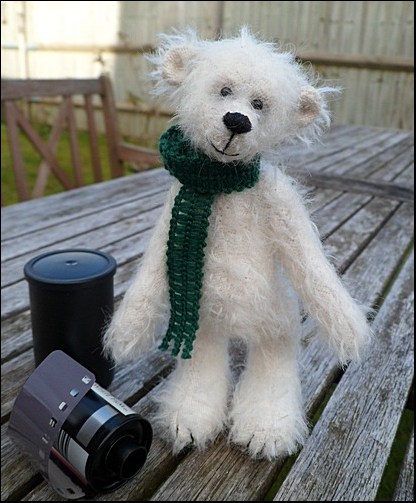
<point>361,180</point>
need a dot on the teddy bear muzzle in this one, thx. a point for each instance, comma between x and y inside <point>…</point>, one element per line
<point>238,124</point>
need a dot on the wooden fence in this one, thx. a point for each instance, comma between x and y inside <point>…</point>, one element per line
<point>366,47</point>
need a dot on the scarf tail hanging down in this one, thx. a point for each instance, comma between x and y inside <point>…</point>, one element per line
<point>185,259</point>
<point>202,178</point>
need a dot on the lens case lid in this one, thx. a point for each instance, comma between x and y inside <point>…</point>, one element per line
<point>69,268</point>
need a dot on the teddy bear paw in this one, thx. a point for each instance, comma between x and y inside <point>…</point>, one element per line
<point>271,439</point>
<point>188,423</point>
<point>191,430</point>
<point>351,339</point>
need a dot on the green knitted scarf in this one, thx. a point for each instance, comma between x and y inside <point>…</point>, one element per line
<point>201,178</point>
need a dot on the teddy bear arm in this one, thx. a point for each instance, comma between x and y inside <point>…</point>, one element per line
<point>138,320</point>
<point>341,320</point>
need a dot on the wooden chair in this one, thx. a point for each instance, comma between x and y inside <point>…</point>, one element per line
<point>14,92</point>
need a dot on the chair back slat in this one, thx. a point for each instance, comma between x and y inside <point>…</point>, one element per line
<point>93,139</point>
<point>44,168</point>
<point>111,126</point>
<point>43,149</point>
<point>15,151</point>
<point>73,141</point>
<point>15,89</point>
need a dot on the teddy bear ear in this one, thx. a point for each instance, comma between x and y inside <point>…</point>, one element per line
<point>176,64</point>
<point>309,105</point>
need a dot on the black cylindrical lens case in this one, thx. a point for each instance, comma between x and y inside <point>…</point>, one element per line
<point>71,301</point>
<point>82,439</point>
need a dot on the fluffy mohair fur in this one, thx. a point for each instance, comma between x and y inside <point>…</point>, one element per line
<point>263,254</point>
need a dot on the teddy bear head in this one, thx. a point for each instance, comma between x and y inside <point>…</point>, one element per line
<point>239,97</point>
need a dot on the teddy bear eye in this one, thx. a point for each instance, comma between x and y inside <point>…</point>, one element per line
<point>226,91</point>
<point>257,104</point>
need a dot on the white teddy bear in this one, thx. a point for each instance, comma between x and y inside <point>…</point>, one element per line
<point>234,249</point>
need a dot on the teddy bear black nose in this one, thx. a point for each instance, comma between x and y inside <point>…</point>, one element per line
<point>237,123</point>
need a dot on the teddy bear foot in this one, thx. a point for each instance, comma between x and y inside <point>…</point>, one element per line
<point>272,439</point>
<point>190,410</point>
<point>188,423</point>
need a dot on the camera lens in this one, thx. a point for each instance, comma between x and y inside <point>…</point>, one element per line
<point>115,440</point>
<point>125,457</point>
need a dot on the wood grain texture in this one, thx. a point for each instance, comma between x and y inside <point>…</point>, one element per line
<point>12,89</point>
<point>349,184</point>
<point>84,201</point>
<point>362,415</point>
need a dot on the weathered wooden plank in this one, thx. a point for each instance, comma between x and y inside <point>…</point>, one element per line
<point>358,231</point>
<point>356,154</point>
<point>361,186</point>
<point>372,175</point>
<point>366,280</point>
<point>15,296</point>
<point>58,208</point>
<point>14,89</point>
<point>234,477</point>
<point>405,485</point>
<point>333,215</point>
<point>16,470</point>
<point>362,416</point>
<point>16,335</point>
<point>380,255</point>
<point>13,375</point>
<point>388,164</point>
<point>407,176</point>
<point>196,479</point>
<point>21,249</point>
<point>334,141</point>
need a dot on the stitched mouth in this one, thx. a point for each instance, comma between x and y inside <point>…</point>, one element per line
<point>222,152</point>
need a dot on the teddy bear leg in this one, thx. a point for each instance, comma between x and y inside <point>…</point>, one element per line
<point>267,416</point>
<point>192,405</point>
